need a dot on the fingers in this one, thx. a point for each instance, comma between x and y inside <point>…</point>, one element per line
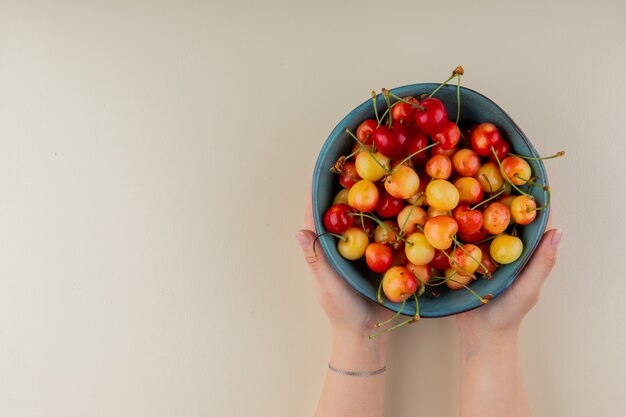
<point>309,223</point>
<point>540,265</point>
<point>306,238</point>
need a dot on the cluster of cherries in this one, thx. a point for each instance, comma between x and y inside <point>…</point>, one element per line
<point>427,204</point>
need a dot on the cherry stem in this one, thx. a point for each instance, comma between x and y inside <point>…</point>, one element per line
<point>441,85</point>
<point>379,296</point>
<point>400,99</point>
<point>458,99</point>
<point>506,176</point>
<point>382,224</point>
<point>407,217</point>
<point>490,198</point>
<point>416,317</point>
<point>326,234</point>
<point>487,240</point>
<point>411,320</point>
<point>544,188</point>
<point>412,155</point>
<point>386,97</point>
<point>352,154</point>
<point>385,113</point>
<point>483,300</point>
<point>468,254</point>
<point>367,150</point>
<point>453,262</point>
<point>531,158</point>
<point>375,108</point>
<point>382,323</point>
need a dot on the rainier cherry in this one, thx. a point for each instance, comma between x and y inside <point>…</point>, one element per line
<point>371,167</point>
<point>353,243</point>
<point>418,250</point>
<point>523,209</point>
<point>490,177</point>
<point>433,212</point>
<point>341,196</point>
<point>388,234</point>
<point>439,231</point>
<point>455,280</point>
<point>505,249</point>
<point>448,135</point>
<point>484,136</point>
<point>470,190</point>
<point>496,218</point>
<point>403,183</point>
<point>337,219</point>
<point>421,272</point>
<point>433,117</point>
<point>465,162</point>
<point>410,217</point>
<point>466,259</point>
<point>516,169</point>
<point>378,257</point>
<point>399,284</point>
<point>439,167</point>
<point>442,195</point>
<point>363,196</point>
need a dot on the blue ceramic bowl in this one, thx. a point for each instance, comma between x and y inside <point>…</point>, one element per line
<point>475,108</point>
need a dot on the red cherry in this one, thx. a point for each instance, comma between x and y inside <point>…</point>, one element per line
<point>448,135</point>
<point>438,150</point>
<point>386,142</point>
<point>403,112</point>
<point>402,139</point>
<point>440,261</point>
<point>388,206</point>
<point>502,150</point>
<point>418,140</point>
<point>488,266</point>
<point>473,238</point>
<point>337,219</point>
<point>484,136</point>
<point>349,177</point>
<point>432,117</point>
<point>364,224</point>
<point>378,257</point>
<point>365,130</point>
<point>469,221</point>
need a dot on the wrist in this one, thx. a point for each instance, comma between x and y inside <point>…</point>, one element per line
<point>353,350</point>
<point>491,341</point>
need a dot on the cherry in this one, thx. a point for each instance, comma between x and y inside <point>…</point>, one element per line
<point>490,177</point>
<point>442,195</point>
<point>398,284</point>
<point>399,258</point>
<point>502,149</point>
<point>466,162</point>
<point>496,218</point>
<point>418,140</point>
<point>378,257</point>
<point>370,166</point>
<point>387,234</point>
<point>433,117</point>
<point>523,209</point>
<point>433,212</point>
<point>448,135</point>
<point>466,258</point>
<point>455,280</point>
<point>441,260</point>
<point>488,266</point>
<point>438,150</point>
<point>386,142</point>
<point>388,206</point>
<point>470,190</point>
<point>484,136</point>
<point>349,176</point>
<point>341,196</point>
<point>421,272</point>
<point>363,196</point>
<point>439,167</point>
<point>418,250</point>
<point>337,219</point>
<point>505,249</point>
<point>365,224</point>
<point>516,170</point>
<point>402,112</point>
<point>473,237</point>
<point>469,221</point>
<point>410,217</point>
<point>365,130</point>
<point>439,231</point>
<point>403,183</point>
<point>402,139</point>
<point>353,243</point>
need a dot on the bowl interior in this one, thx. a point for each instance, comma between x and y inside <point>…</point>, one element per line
<point>475,108</point>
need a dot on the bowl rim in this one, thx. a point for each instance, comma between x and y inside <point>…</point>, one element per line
<point>324,243</point>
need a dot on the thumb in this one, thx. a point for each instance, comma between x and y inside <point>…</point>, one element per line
<point>306,239</point>
<point>541,264</point>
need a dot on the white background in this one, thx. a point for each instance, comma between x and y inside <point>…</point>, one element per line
<point>155,161</point>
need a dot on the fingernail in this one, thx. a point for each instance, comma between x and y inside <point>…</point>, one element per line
<point>301,238</point>
<point>556,238</point>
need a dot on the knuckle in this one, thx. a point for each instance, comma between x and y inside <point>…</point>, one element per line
<point>311,259</point>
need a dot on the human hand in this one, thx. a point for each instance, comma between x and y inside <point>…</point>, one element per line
<point>347,311</point>
<point>503,316</point>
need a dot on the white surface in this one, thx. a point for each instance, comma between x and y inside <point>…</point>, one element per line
<point>154,166</point>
